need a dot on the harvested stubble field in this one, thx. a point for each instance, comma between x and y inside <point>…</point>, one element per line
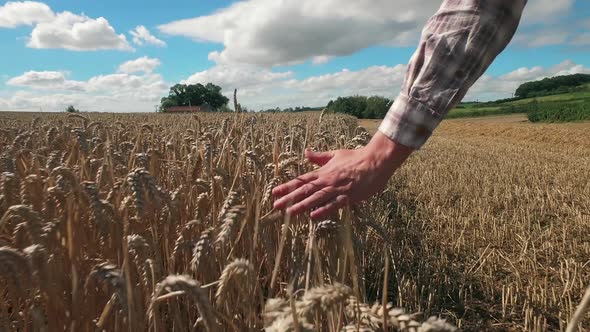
<point>165,223</point>
<point>492,223</point>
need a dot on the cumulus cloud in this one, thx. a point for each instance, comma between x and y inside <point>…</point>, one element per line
<point>117,92</point>
<point>117,83</point>
<point>490,87</point>
<point>31,101</point>
<point>541,11</point>
<point>142,36</point>
<point>321,59</point>
<point>380,80</point>
<point>582,39</point>
<point>78,33</point>
<point>268,32</point>
<point>46,80</point>
<point>259,87</point>
<point>38,79</point>
<point>251,80</point>
<point>262,88</point>
<point>13,14</point>
<point>143,64</point>
<point>62,30</point>
<point>533,31</point>
<point>542,37</point>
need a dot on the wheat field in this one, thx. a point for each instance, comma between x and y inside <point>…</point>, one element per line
<point>160,222</point>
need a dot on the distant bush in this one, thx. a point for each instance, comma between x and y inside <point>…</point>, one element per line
<point>558,112</point>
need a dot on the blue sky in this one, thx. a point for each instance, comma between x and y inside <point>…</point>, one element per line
<point>123,55</point>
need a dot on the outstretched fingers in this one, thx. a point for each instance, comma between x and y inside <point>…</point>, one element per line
<point>297,195</point>
<point>329,208</point>
<point>294,184</point>
<point>319,198</point>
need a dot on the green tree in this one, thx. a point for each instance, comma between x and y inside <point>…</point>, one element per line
<point>377,107</point>
<point>194,95</point>
<point>354,105</point>
<point>374,107</point>
<point>165,103</point>
<point>72,109</point>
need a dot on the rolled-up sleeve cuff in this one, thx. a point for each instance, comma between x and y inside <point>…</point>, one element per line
<point>409,122</point>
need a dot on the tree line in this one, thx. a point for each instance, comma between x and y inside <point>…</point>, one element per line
<point>362,107</point>
<point>374,107</point>
<point>551,85</point>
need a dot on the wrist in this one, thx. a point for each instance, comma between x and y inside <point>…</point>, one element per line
<point>387,151</point>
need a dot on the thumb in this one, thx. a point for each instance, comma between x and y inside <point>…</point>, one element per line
<point>319,158</point>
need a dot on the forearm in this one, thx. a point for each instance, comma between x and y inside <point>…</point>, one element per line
<point>458,44</point>
<point>383,152</point>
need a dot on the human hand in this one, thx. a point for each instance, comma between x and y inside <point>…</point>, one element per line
<point>345,176</point>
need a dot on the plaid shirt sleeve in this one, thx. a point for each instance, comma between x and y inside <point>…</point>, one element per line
<point>458,43</point>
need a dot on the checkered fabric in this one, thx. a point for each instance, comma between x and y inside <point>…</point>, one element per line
<point>457,45</point>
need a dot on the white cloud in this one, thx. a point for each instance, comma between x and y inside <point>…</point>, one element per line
<point>542,23</point>
<point>263,88</point>
<point>542,11</point>
<point>269,32</point>
<point>380,80</point>
<point>250,80</point>
<point>78,33</point>
<point>62,30</point>
<point>13,14</point>
<point>118,92</point>
<point>141,35</point>
<point>542,37</point>
<point>583,39</point>
<point>150,86</point>
<point>38,79</point>
<point>31,101</point>
<point>46,80</point>
<point>490,87</point>
<point>117,83</point>
<point>321,59</point>
<point>143,64</point>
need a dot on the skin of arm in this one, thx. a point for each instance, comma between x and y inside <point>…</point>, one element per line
<point>344,177</point>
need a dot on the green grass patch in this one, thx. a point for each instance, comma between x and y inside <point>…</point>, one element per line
<point>566,97</point>
<point>571,106</point>
<point>558,111</point>
<point>471,112</point>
